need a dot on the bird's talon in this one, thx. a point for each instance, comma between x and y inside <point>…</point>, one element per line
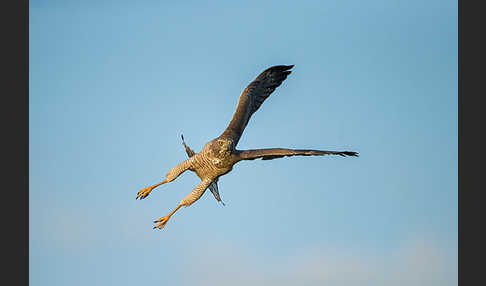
<point>162,222</point>
<point>142,194</point>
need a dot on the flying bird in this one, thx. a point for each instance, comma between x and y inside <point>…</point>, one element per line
<point>219,155</point>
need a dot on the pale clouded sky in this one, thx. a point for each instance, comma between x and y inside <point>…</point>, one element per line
<point>113,84</point>
<point>417,262</point>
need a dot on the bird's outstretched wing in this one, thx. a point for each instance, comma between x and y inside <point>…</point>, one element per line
<point>252,98</point>
<point>274,153</point>
<point>213,187</point>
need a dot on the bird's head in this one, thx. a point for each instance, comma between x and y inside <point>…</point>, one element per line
<point>225,146</point>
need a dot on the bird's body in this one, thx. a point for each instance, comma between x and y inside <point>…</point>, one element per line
<point>219,155</point>
<point>215,159</point>
<point>213,187</point>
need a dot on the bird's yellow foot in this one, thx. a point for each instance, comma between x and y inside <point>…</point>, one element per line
<point>162,222</point>
<point>142,194</point>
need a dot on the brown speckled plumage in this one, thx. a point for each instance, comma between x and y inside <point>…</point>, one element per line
<point>219,155</point>
<point>213,187</point>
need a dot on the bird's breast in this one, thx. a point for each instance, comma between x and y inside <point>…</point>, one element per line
<point>210,166</point>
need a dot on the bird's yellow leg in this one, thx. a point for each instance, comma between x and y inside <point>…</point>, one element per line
<point>146,191</point>
<point>163,220</point>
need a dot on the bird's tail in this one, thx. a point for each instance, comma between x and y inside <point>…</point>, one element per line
<point>189,151</point>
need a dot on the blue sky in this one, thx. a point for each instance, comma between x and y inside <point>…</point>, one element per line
<point>113,84</point>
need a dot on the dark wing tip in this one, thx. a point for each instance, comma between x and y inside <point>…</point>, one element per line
<point>350,153</point>
<point>287,67</point>
<point>279,68</point>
